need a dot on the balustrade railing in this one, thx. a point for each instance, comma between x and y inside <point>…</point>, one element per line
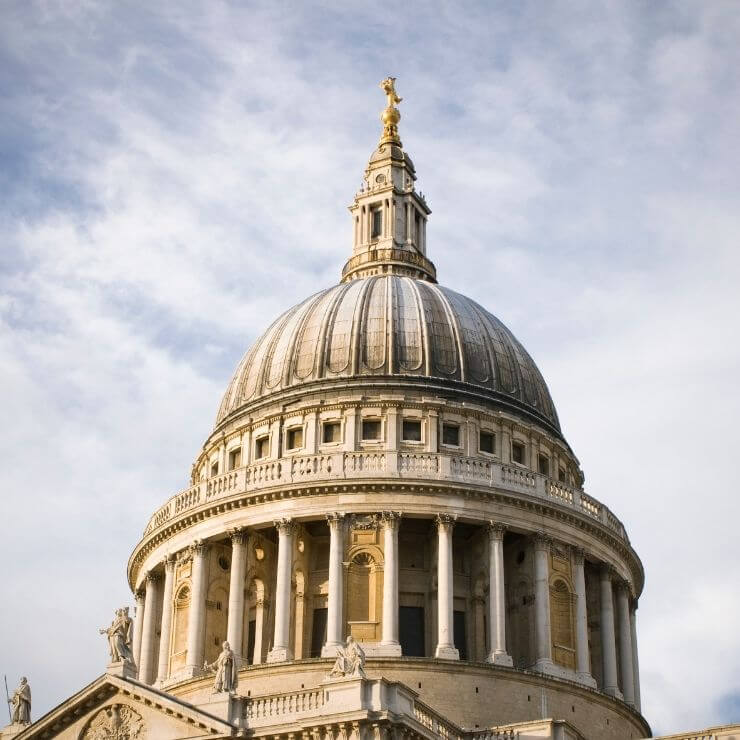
<point>271,708</point>
<point>381,464</point>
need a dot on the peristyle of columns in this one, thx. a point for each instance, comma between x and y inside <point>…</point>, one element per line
<point>281,650</point>
<point>608,637</point>
<point>235,626</point>
<point>445,614</point>
<point>389,640</point>
<point>543,642</point>
<point>334,616</point>
<point>497,596</point>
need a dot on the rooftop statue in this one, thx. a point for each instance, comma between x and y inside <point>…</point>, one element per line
<point>226,669</point>
<point>391,115</point>
<point>119,637</point>
<point>21,703</point>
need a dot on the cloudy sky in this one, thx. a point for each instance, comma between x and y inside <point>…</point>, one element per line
<point>173,178</point>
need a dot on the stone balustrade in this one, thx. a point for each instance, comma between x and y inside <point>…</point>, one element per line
<point>297,470</point>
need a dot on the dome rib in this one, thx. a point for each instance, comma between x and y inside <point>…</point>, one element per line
<point>391,326</point>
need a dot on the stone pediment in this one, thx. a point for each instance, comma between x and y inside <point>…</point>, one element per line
<point>114,708</point>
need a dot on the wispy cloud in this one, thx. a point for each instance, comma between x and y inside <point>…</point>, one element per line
<point>175,175</point>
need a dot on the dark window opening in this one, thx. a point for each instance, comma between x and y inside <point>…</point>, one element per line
<point>261,447</point>
<point>214,469</point>
<point>487,443</point>
<point>318,631</point>
<point>458,631</point>
<point>251,634</point>
<point>332,432</point>
<point>517,452</point>
<point>235,458</point>
<point>295,438</point>
<point>561,475</point>
<point>411,430</point>
<point>451,435</point>
<point>371,429</point>
<point>376,227</point>
<point>543,464</point>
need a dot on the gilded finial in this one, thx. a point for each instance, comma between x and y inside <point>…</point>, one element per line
<point>391,115</point>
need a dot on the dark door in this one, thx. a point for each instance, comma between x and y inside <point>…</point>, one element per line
<point>411,630</point>
<point>318,631</point>
<point>459,632</point>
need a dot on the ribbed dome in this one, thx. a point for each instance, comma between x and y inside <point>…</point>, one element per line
<point>386,326</point>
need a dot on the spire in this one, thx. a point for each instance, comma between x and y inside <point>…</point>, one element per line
<point>389,216</point>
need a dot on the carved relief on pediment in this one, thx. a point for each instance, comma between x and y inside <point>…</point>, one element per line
<point>115,722</point>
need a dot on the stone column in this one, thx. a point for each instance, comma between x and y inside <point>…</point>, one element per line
<point>197,611</point>
<point>625,643</point>
<point>281,650</point>
<point>334,617</point>
<point>445,616</point>
<point>163,668</point>
<point>543,642</point>
<point>138,626</point>
<point>608,641</point>
<point>583,658</point>
<point>148,635</point>
<point>497,596</point>
<point>635,661</point>
<point>235,627</point>
<point>259,626</point>
<point>389,642</point>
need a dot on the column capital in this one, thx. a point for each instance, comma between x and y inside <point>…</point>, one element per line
<point>169,562</point>
<point>542,541</point>
<point>579,555</point>
<point>445,522</point>
<point>607,572</point>
<point>198,547</point>
<point>238,535</point>
<point>139,595</point>
<point>623,584</point>
<point>390,519</point>
<point>335,518</point>
<point>285,526</point>
<point>496,530</point>
<point>152,577</point>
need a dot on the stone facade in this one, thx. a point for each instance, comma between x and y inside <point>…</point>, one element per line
<point>387,465</point>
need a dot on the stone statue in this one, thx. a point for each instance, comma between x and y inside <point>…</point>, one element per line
<point>350,661</point>
<point>21,703</point>
<point>226,669</point>
<point>119,637</point>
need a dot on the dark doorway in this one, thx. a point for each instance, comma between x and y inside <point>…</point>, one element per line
<point>318,631</point>
<point>251,632</point>
<point>411,630</point>
<point>459,632</point>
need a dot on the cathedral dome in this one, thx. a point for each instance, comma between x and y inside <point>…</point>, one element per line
<point>392,329</point>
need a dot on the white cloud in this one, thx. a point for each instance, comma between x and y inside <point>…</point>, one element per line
<point>158,163</point>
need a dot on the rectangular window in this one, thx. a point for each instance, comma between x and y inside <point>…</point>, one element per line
<point>411,430</point>
<point>371,429</point>
<point>295,438</point>
<point>487,442</point>
<point>376,223</point>
<point>517,452</point>
<point>261,447</point>
<point>561,474</point>
<point>332,432</point>
<point>459,632</point>
<point>411,630</point>
<point>214,469</point>
<point>451,435</point>
<point>235,458</point>
<point>318,631</point>
<point>543,464</point>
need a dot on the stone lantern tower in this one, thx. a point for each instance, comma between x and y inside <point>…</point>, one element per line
<point>387,526</point>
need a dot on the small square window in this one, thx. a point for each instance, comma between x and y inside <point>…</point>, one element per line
<point>214,468</point>
<point>371,429</point>
<point>261,447</point>
<point>561,474</point>
<point>543,464</point>
<point>487,443</point>
<point>451,435</point>
<point>295,438</point>
<point>411,430</point>
<point>517,452</point>
<point>332,432</point>
<point>235,458</point>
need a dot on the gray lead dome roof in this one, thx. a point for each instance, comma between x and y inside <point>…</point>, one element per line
<point>397,330</point>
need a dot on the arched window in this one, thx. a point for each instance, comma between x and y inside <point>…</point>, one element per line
<point>561,618</point>
<point>178,653</point>
<point>364,598</point>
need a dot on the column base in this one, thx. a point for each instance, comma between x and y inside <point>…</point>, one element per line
<point>189,671</point>
<point>279,655</point>
<point>447,652</point>
<point>384,650</point>
<point>500,659</point>
<point>586,679</point>
<point>329,649</point>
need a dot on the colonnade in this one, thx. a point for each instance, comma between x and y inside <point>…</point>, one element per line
<point>617,621</point>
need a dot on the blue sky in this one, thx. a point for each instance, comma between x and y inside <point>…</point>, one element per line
<point>174,175</point>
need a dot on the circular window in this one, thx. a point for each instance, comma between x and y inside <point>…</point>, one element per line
<point>380,179</point>
<point>223,563</point>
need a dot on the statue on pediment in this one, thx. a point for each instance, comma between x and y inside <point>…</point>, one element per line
<point>21,704</point>
<point>119,637</point>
